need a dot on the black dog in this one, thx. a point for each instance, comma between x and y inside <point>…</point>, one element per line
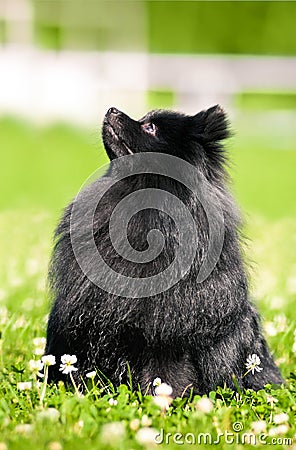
<point>191,334</point>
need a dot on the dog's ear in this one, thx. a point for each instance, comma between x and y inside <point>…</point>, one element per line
<point>210,127</point>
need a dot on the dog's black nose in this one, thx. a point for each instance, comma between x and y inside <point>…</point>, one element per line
<point>113,110</point>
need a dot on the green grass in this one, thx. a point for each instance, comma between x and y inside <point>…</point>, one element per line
<point>164,99</point>
<point>41,170</point>
<point>259,27</point>
<point>266,100</point>
<point>44,167</point>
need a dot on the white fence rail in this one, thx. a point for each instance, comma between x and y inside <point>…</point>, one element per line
<point>79,86</point>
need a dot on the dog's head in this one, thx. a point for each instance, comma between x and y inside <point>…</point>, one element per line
<point>194,138</point>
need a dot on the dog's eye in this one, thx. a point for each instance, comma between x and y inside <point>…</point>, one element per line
<point>149,128</point>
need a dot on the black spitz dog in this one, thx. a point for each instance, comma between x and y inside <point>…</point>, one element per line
<point>193,334</point>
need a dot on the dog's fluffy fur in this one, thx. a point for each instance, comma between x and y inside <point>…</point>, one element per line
<point>193,334</point>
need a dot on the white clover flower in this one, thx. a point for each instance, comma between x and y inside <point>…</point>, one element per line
<point>32,266</point>
<point>112,402</point>
<point>48,360</point>
<point>91,374</point>
<point>24,385</point>
<point>259,426</point>
<point>253,363</point>
<point>281,323</point>
<point>204,405</point>
<point>157,381</point>
<point>280,418</point>
<point>112,433</point>
<point>281,429</point>
<point>163,389</point>
<point>69,359</point>
<point>38,351</point>
<point>39,342</point>
<point>15,281</point>
<point>134,424</point>
<point>270,329</point>
<point>24,428</point>
<point>163,392</point>
<point>276,302</point>
<point>280,361</point>
<point>163,401</point>
<point>55,445</point>
<point>19,323</point>
<point>67,365</point>
<point>39,346</point>
<point>51,414</point>
<point>36,366</point>
<point>78,426</point>
<point>146,436</point>
<point>273,431</point>
<point>270,399</point>
<point>146,421</point>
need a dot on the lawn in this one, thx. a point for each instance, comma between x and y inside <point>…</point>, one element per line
<point>41,170</point>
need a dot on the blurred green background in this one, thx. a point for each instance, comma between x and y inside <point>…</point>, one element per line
<point>43,166</point>
<point>233,27</point>
<point>62,64</point>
